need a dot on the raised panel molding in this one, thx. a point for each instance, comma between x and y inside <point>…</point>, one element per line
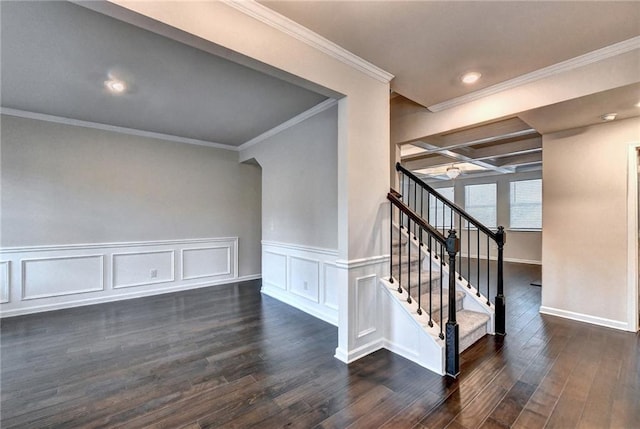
<point>62,275</point>
<point>134,268</point>
<point>5,281</point>
<point>274,269</point>
<point>303,275</point>
<point>202,262</point>
<point>330,286</point>
<point>43,278</point>
<point>366,304</point>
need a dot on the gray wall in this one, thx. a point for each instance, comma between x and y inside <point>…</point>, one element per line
<point>63,184</point>
<point>300,182</point>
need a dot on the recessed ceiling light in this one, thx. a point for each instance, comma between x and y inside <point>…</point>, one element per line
<point>638,104</point>
<point>115,86</point>
<point>609,116</point>
<point>471,77</point>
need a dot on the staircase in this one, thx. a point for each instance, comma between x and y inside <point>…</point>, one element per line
<point>473,325</point>
<point>446,305</point>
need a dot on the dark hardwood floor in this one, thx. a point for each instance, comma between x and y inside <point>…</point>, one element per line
<point>228,357</point>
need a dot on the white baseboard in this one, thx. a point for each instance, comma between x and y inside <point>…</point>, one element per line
<point>360,352</point>
<point>580,317</point>
<point>44,278</point>
<point>515,260</point>
<point>120,297</point>
<point>328,316</point>
<point>523,261</point>
<point>301,276</point>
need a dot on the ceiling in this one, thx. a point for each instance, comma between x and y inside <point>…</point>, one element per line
<point>429,45</point>
<point>511,145</point>
<point>502,147</point>
<point>56,57</point>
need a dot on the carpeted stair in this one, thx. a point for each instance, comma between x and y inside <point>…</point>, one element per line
<point>472,324</point>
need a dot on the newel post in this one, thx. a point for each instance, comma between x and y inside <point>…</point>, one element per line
<point>500,310</point>
<point>452,340</point>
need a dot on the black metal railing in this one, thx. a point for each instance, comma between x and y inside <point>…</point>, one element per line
<point>423,239</point>
<point>443,215</point>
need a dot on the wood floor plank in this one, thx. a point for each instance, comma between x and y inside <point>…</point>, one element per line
<point>226,356</point>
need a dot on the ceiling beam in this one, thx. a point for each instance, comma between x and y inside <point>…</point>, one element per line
<point>507,147</point>
<point>463,158</point>
<point>517,160</point>
<point>497,138</point>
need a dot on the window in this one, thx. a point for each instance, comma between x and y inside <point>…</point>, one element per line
<point>436,208</point>
<point>480,202</point>
<point>526,204</point>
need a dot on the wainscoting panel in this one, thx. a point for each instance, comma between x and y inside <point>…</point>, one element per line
<point>366,305</point>
<point>301,276</point>
<point>274,269</point>
<point>43,278</point>
<point>65,275</point>
<point>206,262</point>
<point>304,278</point>
<point>331,286</point>
<point>142,268</point>
<point>5,281</point>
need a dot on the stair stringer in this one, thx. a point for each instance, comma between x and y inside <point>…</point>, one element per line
<point>407,333</point>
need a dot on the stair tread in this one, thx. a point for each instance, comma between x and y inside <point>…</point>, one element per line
<point>405,259</point>
<point>413,277</point>
<point>471,319</point>
<point>459,295</point>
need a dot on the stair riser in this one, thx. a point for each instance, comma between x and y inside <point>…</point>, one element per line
<point>435,315</point>
<point>427,285</point>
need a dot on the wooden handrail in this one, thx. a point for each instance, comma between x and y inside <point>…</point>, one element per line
<point>476,223</point>
<point>394,197</point>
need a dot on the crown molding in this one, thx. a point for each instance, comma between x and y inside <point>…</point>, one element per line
<point>318,108</point>
<point>122,130</point>
<point>292,28</point>
<point>552,70</point>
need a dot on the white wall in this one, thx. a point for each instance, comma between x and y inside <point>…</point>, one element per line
<point>66,189</point>
<point>300,214</point>
<point>585,235</point>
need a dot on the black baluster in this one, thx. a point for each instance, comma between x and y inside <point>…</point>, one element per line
<point>420,273</point>
<point>400,251</point>
<point>409,262</point>
<point>428,208</point>
<point>488,271</point>
<point>416,227</point>
<point>430,285</point>
<point>443,214</point>
<point>441,335</point>
<point>478,257</point>
<point>451,225</point>
<point>390,242</point>
<point>460,253</point>
<point>468,255</point>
